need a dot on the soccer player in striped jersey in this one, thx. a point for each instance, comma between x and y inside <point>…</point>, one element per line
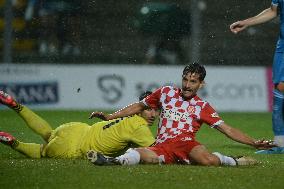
<point>182,114</point>
<point>73,140</point>
<point>276,8</point>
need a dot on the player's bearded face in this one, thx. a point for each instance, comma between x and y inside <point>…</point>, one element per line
<point>190,85</point>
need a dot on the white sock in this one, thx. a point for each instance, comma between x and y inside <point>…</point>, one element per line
<point>279,140</point>
<point>131,157</point>
<point>225,160</point>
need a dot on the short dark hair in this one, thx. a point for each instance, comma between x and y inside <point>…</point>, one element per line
<point>144,95</point>
<point>195,68</point>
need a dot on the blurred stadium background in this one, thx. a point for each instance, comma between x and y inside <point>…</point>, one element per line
<point>110,72</point>
<point>117,35</point>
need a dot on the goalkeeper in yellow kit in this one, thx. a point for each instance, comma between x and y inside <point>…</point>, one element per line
<point>74,139</point>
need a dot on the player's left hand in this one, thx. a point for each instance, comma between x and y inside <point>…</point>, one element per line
<point>99,115</point>
<point>264,144</point>
<point>238,26</point>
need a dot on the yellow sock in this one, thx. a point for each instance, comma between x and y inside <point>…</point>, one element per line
<point>31,150</point>
<point>36,123</point>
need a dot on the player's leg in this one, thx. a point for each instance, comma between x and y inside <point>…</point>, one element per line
<point>278,105</point>
<point>278,98</point>
<point>10,102</point>
<point>98,158</point>
<point>35,122</point>
<point>31,150</point>
<point>138,155</point>
<point>277,120</point>
<point>277,114</point>
<point>131,157</point>
<point>148,156</point>
<point>200,155</point>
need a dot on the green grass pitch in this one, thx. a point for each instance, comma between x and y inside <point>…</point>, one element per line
<point>17,171</point>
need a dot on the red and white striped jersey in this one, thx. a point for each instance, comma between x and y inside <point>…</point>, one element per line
<point>180,119</point>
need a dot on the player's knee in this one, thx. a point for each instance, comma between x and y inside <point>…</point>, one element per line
<point>200,155</point>
<point>147,156</point>
<point>209,161</point>
<point>150,160</point>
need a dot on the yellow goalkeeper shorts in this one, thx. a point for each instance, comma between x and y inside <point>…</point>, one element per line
<point>65,141</point>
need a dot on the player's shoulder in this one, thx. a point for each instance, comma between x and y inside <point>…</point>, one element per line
<point>137,121</point>
<point>169,89</point>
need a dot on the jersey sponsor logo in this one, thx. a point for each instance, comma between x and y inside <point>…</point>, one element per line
<point>180,114</point>
<point>175,115</point>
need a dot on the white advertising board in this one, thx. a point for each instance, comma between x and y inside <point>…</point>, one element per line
<point>114,86</point>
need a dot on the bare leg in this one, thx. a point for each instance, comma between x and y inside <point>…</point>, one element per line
<point>200,155</point>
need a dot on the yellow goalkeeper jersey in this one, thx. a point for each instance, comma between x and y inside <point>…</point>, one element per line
<point>114,136</point>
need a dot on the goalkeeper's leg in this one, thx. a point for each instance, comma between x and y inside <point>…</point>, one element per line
<point>131,157</point>
<point>31,150</point>
<point>35,122</point>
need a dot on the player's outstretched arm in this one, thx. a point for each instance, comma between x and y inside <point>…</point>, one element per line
<point>241,137</point>
<point>262,17</point>
<point>100,115</point>
<point>129,110</point>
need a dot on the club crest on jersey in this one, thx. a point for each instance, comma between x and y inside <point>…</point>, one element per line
<point>191,109</point>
